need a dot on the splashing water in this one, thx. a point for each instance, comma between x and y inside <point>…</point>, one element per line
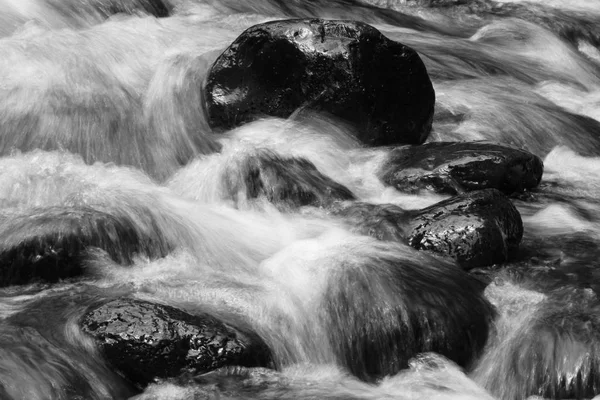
<point>108,164</point>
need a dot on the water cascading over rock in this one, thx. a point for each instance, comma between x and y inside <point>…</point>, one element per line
<point>288,181</point>
<point>547,344</point>
<point>54,243</point>
<point>287,230</point>
<point>379,303</point>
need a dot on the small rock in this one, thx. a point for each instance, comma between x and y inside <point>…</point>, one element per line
<point>287,181</point>
<point>448,167</point>
<point>476,229</point>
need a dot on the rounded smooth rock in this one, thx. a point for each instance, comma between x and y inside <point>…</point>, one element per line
<point>476,228</point>
<point>344,68</point>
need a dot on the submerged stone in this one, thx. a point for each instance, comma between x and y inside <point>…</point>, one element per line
<point>381,221</point>
<point>377,304</point>
<point>554,353</point>
<point>344,68</point>
<point>286,181</point>
<point>53,243</point>
<point>476,229</point>
<point>389,303</point>
<point>144,341</point>
<point>549,263</point>
<point>448,167</point>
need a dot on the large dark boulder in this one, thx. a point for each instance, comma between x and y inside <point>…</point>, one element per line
<point>144,340</point>
<point>345,68</point>
<point>453,168</point>
<point>284,181</point>
<point>476,229</point>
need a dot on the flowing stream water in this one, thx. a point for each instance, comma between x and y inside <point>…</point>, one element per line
<point>103,114</point>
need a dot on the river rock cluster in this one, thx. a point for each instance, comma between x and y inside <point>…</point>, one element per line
<point>380,88</point>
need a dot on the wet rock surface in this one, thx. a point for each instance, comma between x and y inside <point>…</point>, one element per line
<point>456,167</point>
<point>144,341</point>
<point>53,243</point>
<point>476,228</point>
<point>386,307</point>
<point>344,68</point>
<point>286,181</point>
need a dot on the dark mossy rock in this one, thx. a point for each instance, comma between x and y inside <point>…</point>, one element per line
<point>144,341</point>
<point>53,243</point>
<point>453,168</point>
<point>553,353</point>
<point>344,68</point>
<point>286,181</point>
<point>476,228</point>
